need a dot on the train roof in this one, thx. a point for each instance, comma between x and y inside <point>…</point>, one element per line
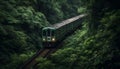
<point>48,28</point>
<point>67,21</point>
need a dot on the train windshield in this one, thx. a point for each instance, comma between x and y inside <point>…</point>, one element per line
<point>44,32</point>
<point>52,33</point>
<point>48,32</point>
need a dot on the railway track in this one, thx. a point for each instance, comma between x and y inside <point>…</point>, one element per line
<point>41,53</point>
<point>29,63</point>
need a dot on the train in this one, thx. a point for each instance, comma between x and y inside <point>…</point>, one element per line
<point>54,34</point>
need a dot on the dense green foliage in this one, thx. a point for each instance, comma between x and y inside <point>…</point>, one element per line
<point>21,22</point>
<point>57,10</point>
<point>96,44</point>
<point>20,25</point>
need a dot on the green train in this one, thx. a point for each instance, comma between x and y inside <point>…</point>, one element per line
<point>48,37</point>
<point>48,34</point>
<point>55,34</point>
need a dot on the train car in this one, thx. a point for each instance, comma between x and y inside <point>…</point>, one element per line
<point>48,36</point>
<point>54,34</point>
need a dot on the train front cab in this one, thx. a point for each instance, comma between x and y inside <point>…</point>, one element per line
<point>48,37</point>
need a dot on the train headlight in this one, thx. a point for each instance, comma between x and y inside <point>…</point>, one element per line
<point>43,39</point>
<point>53,39</point>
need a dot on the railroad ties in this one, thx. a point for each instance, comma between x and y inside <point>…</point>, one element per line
<point>46,52</point>
<point>32,61</point>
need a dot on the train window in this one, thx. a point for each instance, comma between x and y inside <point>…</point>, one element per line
<point>44,32</point>
<point>48,32</point>
<point>52,32</point>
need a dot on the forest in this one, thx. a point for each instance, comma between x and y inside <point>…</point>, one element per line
<point>93,46</point>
